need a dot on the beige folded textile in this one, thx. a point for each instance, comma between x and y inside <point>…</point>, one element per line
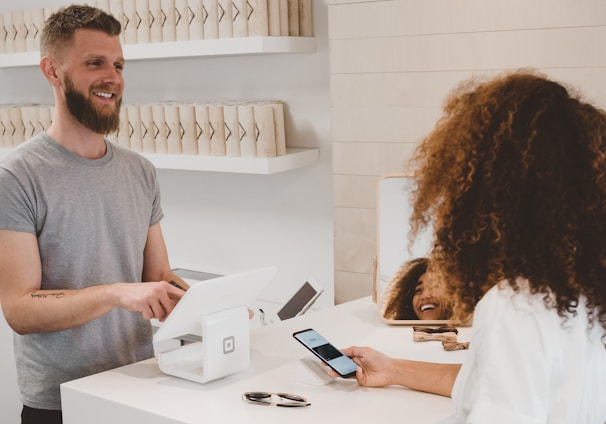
<point>455,345</point>
<point>443,333</point>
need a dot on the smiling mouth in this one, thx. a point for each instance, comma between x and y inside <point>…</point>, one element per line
<point>103,94</point>
<point>428,307</point>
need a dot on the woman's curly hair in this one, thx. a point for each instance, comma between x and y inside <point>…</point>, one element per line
<point>397,300</point>
<point>513,180</point>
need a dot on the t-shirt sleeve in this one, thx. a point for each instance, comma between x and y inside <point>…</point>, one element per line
<point>17,208</point>
<point>506,379</point>
<point>157,213</point>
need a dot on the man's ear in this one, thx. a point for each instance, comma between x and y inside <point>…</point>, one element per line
<point>48,68</point>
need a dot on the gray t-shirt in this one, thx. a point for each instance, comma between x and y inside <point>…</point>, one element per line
<point>91,218</point>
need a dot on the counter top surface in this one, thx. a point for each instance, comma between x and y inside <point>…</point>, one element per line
<point>141,391</point>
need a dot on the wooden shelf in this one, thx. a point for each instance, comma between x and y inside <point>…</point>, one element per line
<point>295,158</point>
<point>193,48</point>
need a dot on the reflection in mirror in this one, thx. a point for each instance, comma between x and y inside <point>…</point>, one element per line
<point>405,293</point>
<point>414,294</point>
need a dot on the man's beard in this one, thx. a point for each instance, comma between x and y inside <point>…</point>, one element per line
<point>87,114</point>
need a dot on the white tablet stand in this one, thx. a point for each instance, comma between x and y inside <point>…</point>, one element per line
<point>224,349</point>
<point>213,310</point>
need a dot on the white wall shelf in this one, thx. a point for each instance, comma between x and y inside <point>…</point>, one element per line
<point>293,159</point>
<point>193,48</point>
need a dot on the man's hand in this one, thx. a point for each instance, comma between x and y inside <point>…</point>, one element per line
<point>151,299</point>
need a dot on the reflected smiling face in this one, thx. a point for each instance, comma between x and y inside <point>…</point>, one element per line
<point>428,301</point>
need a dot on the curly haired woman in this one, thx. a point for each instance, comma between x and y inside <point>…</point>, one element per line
<point>514,180</point>
<point>414,294</point>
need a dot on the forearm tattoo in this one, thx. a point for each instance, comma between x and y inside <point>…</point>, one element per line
<point>38,295</point>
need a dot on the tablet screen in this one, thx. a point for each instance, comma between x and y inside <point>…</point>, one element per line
<point>296,304</point>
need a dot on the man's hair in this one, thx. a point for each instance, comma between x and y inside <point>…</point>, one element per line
<point>513,179</point>
<point>60,27</point>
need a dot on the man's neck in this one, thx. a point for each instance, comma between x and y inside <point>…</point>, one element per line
<point>78,139</point>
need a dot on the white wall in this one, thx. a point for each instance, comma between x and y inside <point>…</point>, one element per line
<point>10,405</point>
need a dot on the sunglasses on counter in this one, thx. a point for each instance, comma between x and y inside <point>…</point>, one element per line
<point>278,399</point>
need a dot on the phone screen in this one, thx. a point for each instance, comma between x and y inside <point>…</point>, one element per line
<point>329,354</point>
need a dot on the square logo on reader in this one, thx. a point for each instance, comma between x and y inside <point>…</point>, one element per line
<point>229,345</point>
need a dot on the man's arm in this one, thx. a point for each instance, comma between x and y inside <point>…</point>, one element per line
<point>156,266</point>
<point>28,309</point>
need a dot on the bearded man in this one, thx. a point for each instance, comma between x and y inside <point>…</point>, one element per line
<point>83,263</point>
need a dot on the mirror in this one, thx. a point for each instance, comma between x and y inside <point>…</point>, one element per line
<point>393,215</point>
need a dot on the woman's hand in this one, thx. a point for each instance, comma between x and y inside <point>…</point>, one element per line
<point>374,368</point>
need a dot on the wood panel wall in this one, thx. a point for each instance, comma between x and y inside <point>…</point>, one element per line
<point>392,62</point>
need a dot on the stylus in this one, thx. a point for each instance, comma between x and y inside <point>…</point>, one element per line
<point>174,283</point>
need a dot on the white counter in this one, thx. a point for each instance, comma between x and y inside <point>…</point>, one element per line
<point>142,393</point>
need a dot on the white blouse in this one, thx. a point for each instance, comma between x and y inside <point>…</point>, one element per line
<point>528,365</point>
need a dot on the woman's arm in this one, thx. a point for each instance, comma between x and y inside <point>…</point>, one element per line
<point>376,369</point>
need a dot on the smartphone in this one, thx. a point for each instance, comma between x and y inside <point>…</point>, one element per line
<point>330,355</point>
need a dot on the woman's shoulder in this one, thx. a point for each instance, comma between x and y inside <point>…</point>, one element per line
<point>504,305</point>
